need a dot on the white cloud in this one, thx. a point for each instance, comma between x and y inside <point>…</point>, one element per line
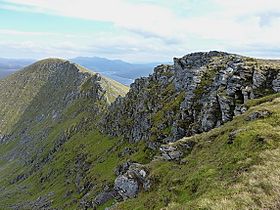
<point>145,17</point>
<point>127,47</point>
<point>233,8</point>
<point>155,28</point>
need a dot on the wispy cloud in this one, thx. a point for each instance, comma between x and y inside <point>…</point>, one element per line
<point>157,26</point>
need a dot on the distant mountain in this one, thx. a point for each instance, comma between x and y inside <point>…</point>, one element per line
<point>118,70</point>
<point>9,66</point>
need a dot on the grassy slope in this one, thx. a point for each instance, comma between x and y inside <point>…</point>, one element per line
<point>218,175</point>
<point>39,90</point>
<point>99,151</point>
<point>215,175</point>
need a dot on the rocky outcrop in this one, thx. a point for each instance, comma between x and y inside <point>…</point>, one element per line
<point>106,195</point>
<point>174,151</point>
<point>258,115</point>
<point>132,178</point>
<point>276,83</point>
<point>200,91</point>
<point>132,116</point>
<point>42,202</point>
<point>170,152</point>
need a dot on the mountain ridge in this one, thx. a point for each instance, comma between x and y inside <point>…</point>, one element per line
<point>48,80</point>
<point>190,135</point>
<point>227,80</point>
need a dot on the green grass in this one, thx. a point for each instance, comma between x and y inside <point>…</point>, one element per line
<point>49,162</point>
<point>218,175</point>
<point>214,175</point>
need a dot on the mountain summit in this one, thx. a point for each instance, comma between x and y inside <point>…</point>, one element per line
<point>202,133</point>
<point>51,85</point>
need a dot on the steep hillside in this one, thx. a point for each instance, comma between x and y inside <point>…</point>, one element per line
<point>228,105</point>
<point>41,108</point>
<point>200,134</point>
<point>235,166</point>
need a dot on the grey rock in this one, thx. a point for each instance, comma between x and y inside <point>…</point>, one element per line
<point>41,203</point>
<point>169,152</point>
<point>240,109</point>
<point>247,94</point>
<point>129,183</point>
<point>258,78</point>
<point>232,136</point>
<point>258,115</point>
<point>153,145</point>
<point>121,169</point>
<point>226,104</point>
<point>104,196</point>
<point>4,138</point>
<point>40,118</point>
<point>276,83</point>
<point>127,186</point>
<point>210,112</point>
<point>55,114</point>
<point>176,151</point>
<point>214,87</point>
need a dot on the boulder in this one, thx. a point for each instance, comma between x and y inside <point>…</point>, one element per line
<point>153,145</point>
<point>132,180</point>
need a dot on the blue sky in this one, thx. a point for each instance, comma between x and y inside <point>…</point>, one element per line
<point>138,30</point>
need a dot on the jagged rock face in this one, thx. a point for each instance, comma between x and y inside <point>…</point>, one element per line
<point>199,92</point>
<point>131,116</point>
<point>276,83</point>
